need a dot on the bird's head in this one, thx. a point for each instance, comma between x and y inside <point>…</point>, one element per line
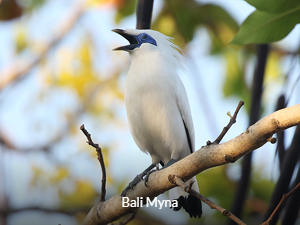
<point>136,39</point>
<point>143,42</point>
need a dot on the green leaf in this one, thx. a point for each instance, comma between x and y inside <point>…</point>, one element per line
<point>262,27</point>
<point>274,6</point>
<point>234,83</point>
<point>180,20</point>
<point>124,9</point>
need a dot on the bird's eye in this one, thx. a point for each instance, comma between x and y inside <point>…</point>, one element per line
<point>144,37</point>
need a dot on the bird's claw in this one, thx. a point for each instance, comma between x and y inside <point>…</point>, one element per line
<point>147,177</point>
<point>133,183</point>
<point>141,176</point>
<point>136,180</point>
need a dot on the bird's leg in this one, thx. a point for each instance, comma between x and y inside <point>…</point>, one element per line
<point>157,167</point>
<point>151,171</point>
<point>172,161</point>
<point>137,179</point>
<point>148,173</point>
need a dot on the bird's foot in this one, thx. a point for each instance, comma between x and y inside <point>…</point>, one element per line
<point>147,177</point>
<point>137,179</point>
<point>133,183</point>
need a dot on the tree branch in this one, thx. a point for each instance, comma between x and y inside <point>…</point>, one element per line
<point>288,167</point>
<point>206,157</point>
<point>100,159</point>
<point>144,14</point>
<point>277,209</point>
<point>231,122</point>
<point>211,204</point>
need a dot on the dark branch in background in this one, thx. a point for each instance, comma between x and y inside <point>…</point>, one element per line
<point>144,14</point>
<point>212,205</point>
<point>293,204</point>
<point>100,159</point>
<point>239,199</point>
<point>276,211</point>
<point>283,183</point>
<point>231,122</point>
<point>280,149</point>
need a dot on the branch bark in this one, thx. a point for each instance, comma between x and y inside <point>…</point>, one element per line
<point>206,157</point>
<point>100,159</point>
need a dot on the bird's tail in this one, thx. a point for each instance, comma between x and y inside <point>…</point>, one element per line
<point>190,203</point>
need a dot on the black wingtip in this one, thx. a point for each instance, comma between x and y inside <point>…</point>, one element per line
<point>191,204</point>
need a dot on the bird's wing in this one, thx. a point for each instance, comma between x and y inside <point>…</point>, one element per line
<point>186,115</point>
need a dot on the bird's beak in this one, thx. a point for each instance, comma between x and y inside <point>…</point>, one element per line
<point>131,38</point>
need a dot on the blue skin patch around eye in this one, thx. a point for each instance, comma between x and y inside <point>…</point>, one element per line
<point>135,41</point>
<point>145,38</point>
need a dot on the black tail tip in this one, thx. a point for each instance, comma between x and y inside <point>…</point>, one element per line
<point>191,204</point>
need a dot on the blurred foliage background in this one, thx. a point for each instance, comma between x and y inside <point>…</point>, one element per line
<point>57,72</point>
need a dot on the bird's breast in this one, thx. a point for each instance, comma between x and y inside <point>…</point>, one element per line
<point>154,119</point>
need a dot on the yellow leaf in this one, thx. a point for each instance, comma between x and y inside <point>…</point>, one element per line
<point>83,194</point>
<point>59,175</point>
<point>167,24</point>
<point>225,33</point>
<point>76,71</point>
<point>273,70</point>
<point>92,3</point>
<point>21,39</point>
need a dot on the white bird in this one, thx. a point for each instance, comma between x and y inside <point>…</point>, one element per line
<point>157,106</point>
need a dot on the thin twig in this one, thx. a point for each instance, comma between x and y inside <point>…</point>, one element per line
<point>212,205</point>
<point>231,122</point>
<point>283,199</point>
<point>100,159</point>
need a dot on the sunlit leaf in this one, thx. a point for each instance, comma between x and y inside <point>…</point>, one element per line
<point>114,3</point>
<point>262,27</point>
<point>125,8</point>
<point>180,20</point>
<point>37,174</point>
<point>234,84</point>
<point>21,40</point>
<point>273,70</point>
<point>220,22</point>
<point>60,174</point>
<point>274,6</point>
<point>83,194</point>
<point>76,70</point>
